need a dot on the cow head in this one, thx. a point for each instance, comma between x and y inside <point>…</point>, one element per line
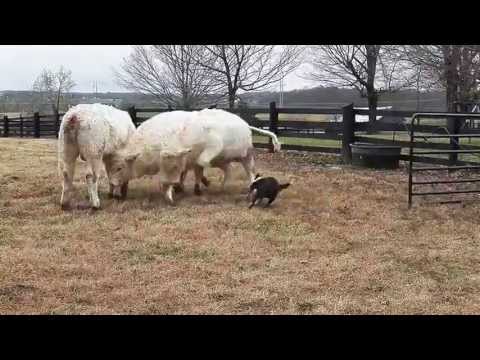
<point>120,170</point>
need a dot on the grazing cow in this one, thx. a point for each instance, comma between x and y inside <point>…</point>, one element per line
<point>94,132</point>
<point>153,151</point>
<point>194,140</point>
<point>265,187</point>
<point>232,133</point>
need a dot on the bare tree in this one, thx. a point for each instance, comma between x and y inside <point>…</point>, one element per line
<point>52,86</point>
<point>371,69</point>
<point>168,72</point>
<point>455,68</point>
<point>248,67</point>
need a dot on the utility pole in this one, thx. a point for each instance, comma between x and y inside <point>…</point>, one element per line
<point>281,91</point>
<point>418,89</point>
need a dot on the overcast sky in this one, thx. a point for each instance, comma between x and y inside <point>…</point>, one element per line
<point>20,65</point>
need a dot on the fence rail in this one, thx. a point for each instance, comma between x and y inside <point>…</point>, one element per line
<point>301,134</point>
<point>344,131</point>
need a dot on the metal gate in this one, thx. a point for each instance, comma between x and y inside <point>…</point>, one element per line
<point>455,149</point>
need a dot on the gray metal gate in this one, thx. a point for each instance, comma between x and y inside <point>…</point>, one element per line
<point>455,149</point>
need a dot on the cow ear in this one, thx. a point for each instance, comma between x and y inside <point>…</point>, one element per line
<point>257,176</point>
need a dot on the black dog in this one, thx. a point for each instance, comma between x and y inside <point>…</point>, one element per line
<point>267,187</point>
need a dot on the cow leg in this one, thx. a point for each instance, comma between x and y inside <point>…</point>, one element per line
<point>210,153</point>
<point>179,188</point>
<point>205,181</point>
<point>198,178</point>
<point>92,182</point>
<point>69,159</point>
<point>67,186</point>
<point>249,165</point>
<point>227,171</point>
<point>110,191</point>
<point>167,191</point>
<point>124,191</point>
<point>169,194</point>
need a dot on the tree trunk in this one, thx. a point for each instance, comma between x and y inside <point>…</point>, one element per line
<point>59,94</point>
<point>451,57</point>
<point>231,101</point>
<point>372,107</point>
<point>186,103</point>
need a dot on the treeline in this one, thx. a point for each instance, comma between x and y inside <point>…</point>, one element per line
<point>21,101</point>
<point>331,96</point>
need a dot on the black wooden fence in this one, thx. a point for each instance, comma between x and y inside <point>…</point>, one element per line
<point>345,131</point>
<point>35,126</point>
<point>284,128</point>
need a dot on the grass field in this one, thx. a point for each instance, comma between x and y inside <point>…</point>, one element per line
<point>298,117</point>
<point>338,241</point>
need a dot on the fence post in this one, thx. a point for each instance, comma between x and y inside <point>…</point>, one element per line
<point>453,128</point>
<point>21,125</point>
<point>6,129</point>
<point>133,114</point>
<point>348,135</point>
<point>36,124</point>
<point>273,126</point>
<point>57,123</point>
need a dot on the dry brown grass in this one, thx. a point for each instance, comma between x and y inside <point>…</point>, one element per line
<point>335,242</point>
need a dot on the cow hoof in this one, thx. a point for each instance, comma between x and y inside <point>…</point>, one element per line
<point>205,181</point>
<point>197,190</point>
<point>178,189</point>
<point>66,207</point>
<point>170,201</point>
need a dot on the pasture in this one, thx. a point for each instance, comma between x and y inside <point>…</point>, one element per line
<point>339,240</point>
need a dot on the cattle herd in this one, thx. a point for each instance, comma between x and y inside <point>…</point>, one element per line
<point>167,145</point>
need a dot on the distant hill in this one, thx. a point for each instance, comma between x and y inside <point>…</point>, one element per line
<point>330,96</point>
<point>314,97</point>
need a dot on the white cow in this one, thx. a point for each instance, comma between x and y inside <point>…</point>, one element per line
<point>94,132</point>
<point>171,143</point>
<point>238,132</point>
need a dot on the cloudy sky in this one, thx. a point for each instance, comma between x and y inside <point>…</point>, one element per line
<point>20,65</point>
